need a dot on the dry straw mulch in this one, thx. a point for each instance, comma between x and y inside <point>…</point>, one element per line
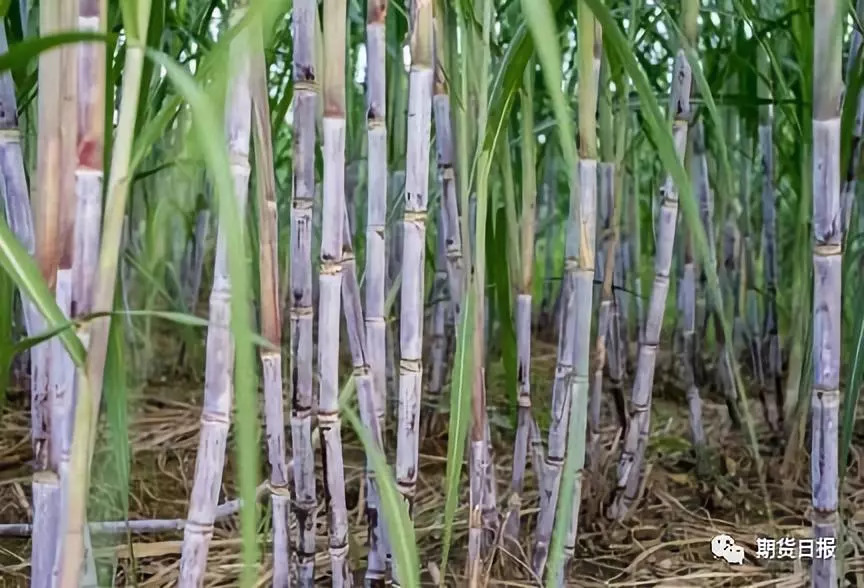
<point>664,543</point>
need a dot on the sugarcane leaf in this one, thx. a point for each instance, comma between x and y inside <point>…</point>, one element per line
<point>390,300</point>
<point>400,530</point>
<point>460,416</point>
<point>129,13</point>
<point>32,341</point>
<point>190,320</point>
<point>541,22</point>
<point>115,474</point>
<point>153,130</point>
<point>154,39</point>
<point>208,129</point>
<point>746,11</point>
<point>574,461</point>
<point>21,53</point>
<point>508,77</point>
<point>19,266</point>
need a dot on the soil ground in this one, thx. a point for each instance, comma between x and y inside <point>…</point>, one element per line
<point>665,541</point>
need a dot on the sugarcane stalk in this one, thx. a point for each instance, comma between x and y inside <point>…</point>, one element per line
<point>330,286</point>
<point>394,244</point>
<point>218,381</point>
<point>46,184</point>
<point>48,192</point>
<point>18,214</point>
<point>560,407</point>
<point>481,504</point>
<point>634,249</point>
<point>61,381</point>
<point>636,435</point>
<point>91,138</point>
<point>770,267</point>
<point>618,342</point>
<point>301,309</point>
<point>687,307</point>
<point>194,266</point>
<point>523,317</point>
<point>732,255</point>
<point>446,53</point>
<point>376,219</point>
<point>608,342</point>
<point>577,284</point>
<point>747,318</point>
<point>16,193</point>
<point>141,526</point>
<point>421,78</point>
<point>489,511</point>
<point>440,303</point>
<point>68,135</point>
<point>90,379</point>
<point>393,237</point>
<point>61,369</point>
<point>451,219</point>
<point>590,47</point>
<point>271,320</point>
<point>687,292</point>
<point>605,344</point>
<point>827,266</point>
<point>378,548</point>
<point>86,227</point>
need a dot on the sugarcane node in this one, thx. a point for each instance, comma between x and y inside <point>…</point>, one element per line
<point>10,135</point>
<point>827,249</point>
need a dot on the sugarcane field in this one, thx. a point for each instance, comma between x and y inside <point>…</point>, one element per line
<point>451,293</point>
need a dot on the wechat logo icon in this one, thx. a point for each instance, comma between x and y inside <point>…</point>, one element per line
<point>723,546</point>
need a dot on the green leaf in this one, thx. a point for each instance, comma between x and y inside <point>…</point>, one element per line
<point>400,530</point>
<point>574,461</point>
<point>19,266</point>
<point>541,22</point>
<point>154,40</point>
<point>460,417</point>
<point>117,413</point>
<point>189,320</point>
<point>32,341</point>
<point>130,18</point>
<point>20,54</point>
<point>155,128</point>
